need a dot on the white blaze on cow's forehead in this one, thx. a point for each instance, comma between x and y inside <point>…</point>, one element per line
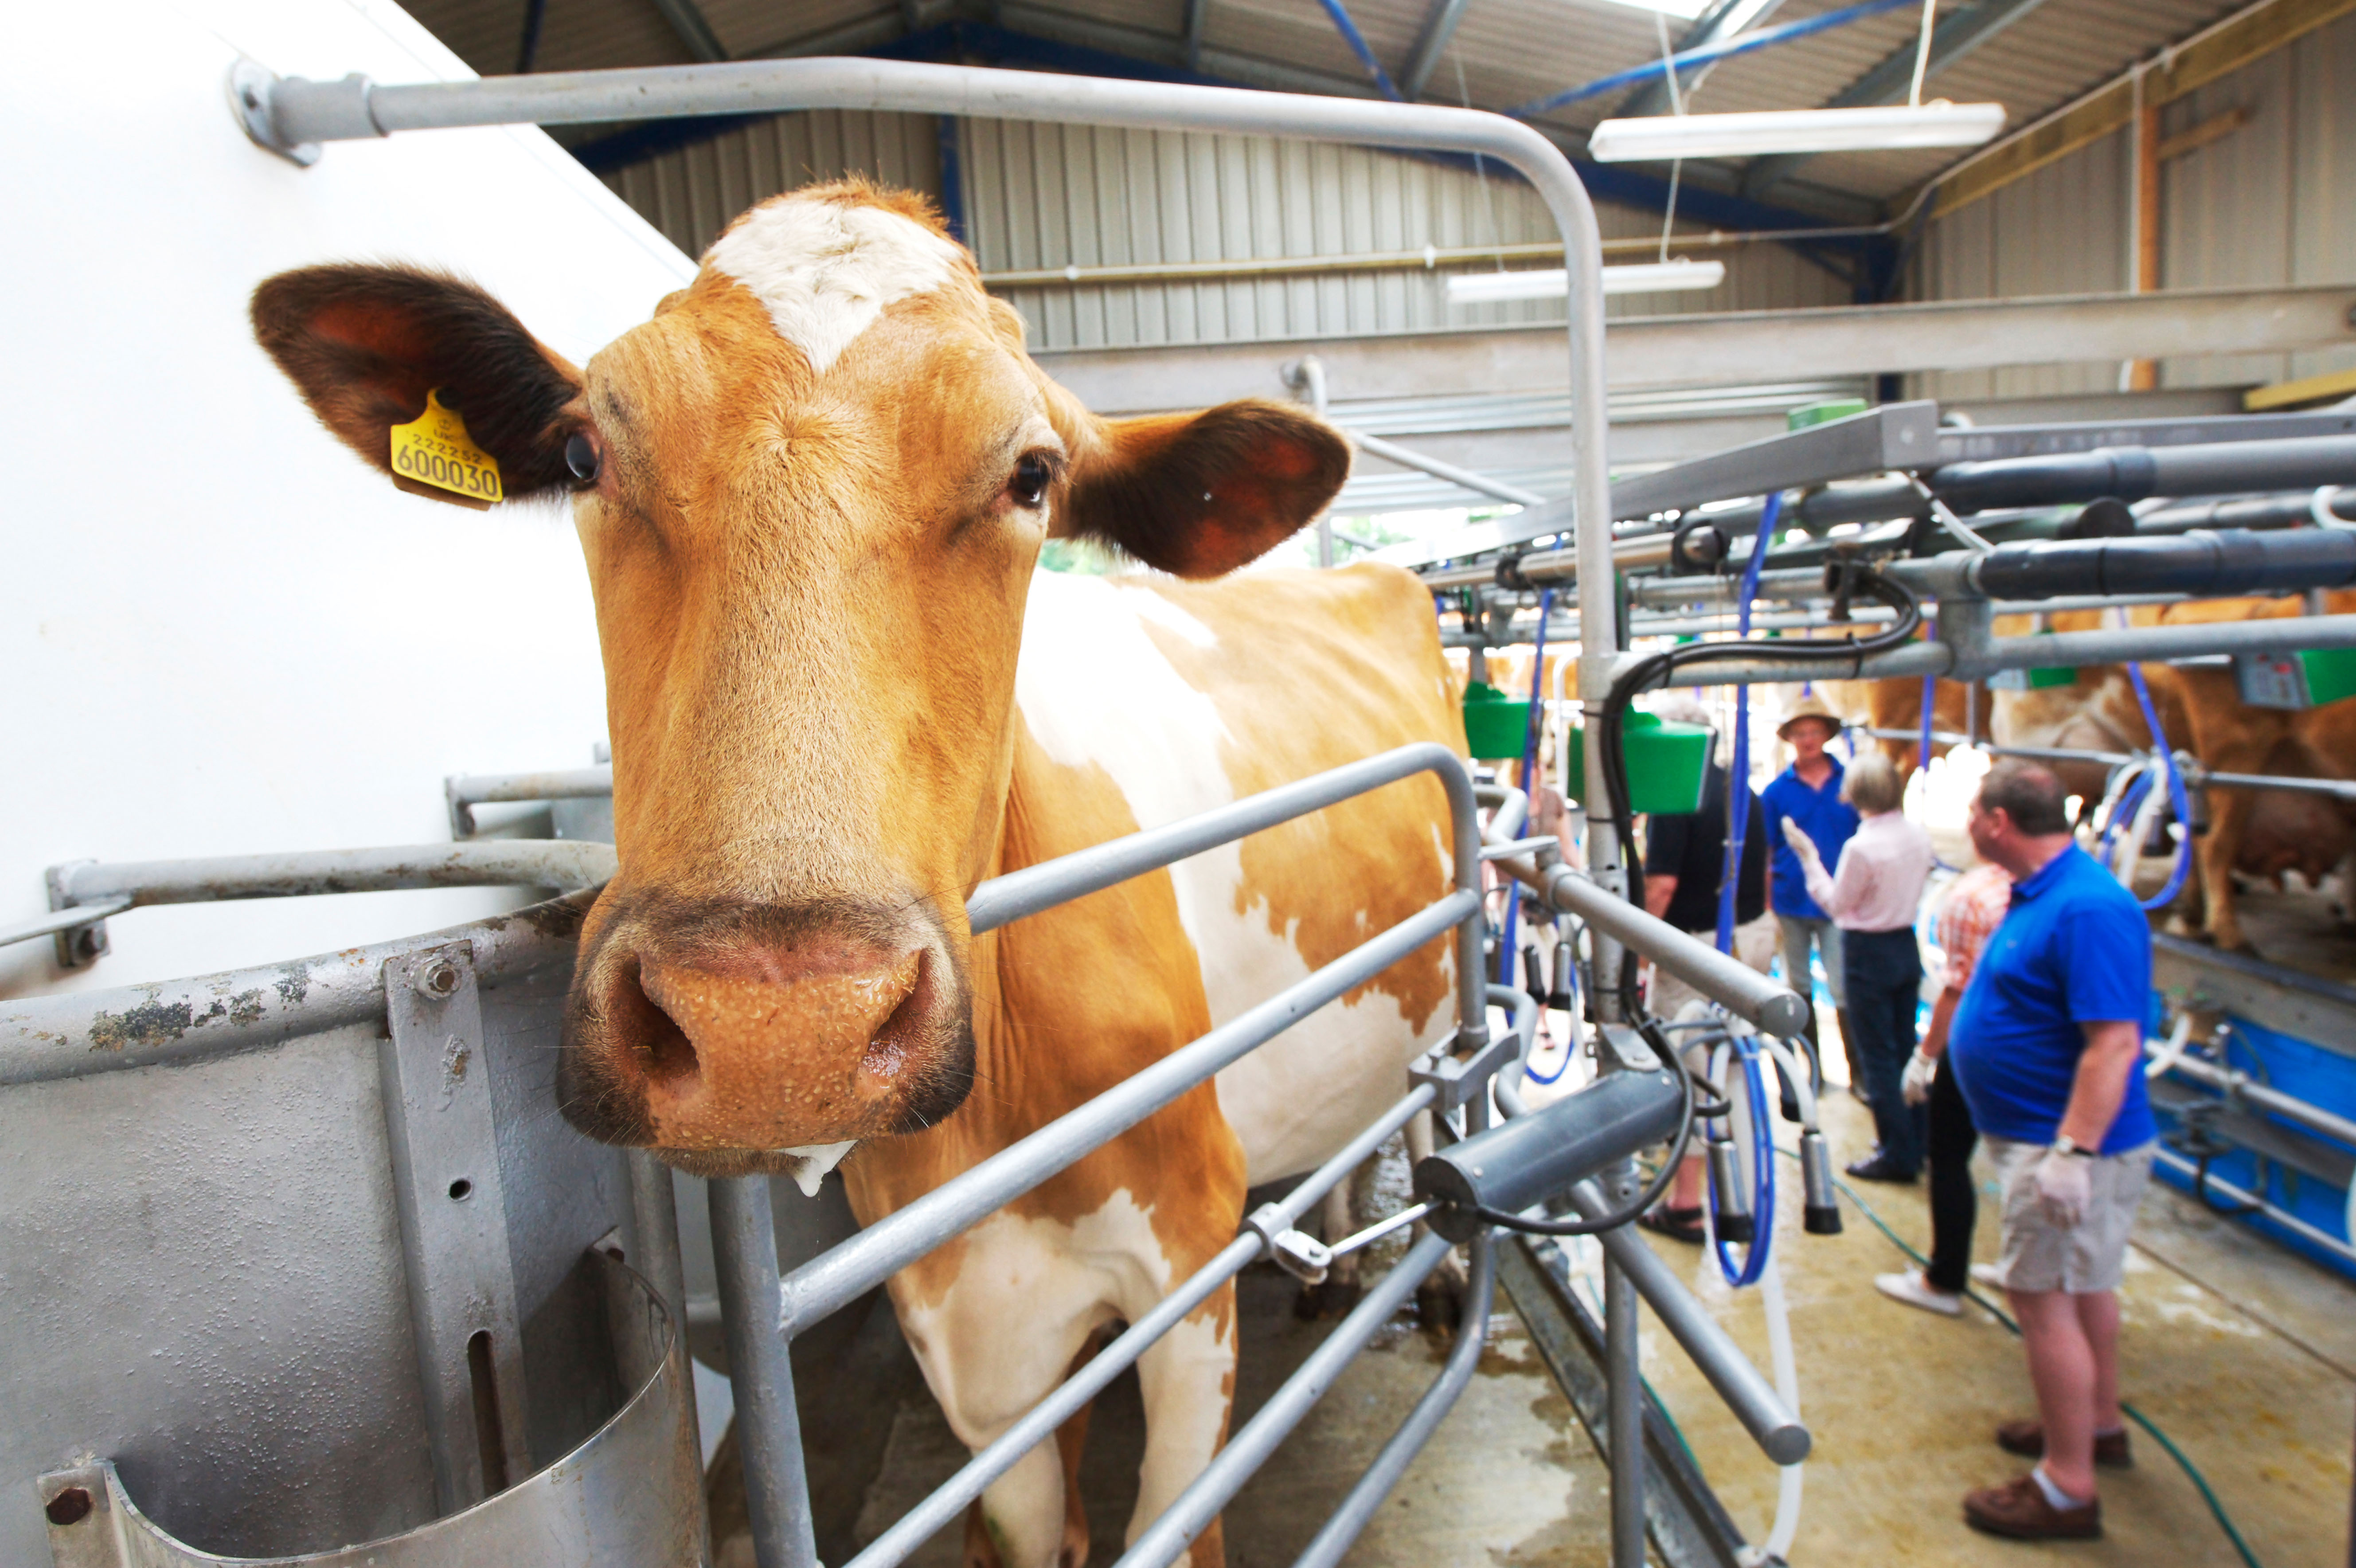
<point>826,271</point>
<point>1094,689</point>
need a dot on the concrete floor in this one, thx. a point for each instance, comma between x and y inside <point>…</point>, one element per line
<point>2243,1353</point>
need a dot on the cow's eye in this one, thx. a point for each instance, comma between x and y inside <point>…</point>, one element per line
<point>1029,485</point>
<point>581,458</point>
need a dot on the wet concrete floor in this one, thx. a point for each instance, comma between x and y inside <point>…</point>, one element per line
<point>2243,1353</point>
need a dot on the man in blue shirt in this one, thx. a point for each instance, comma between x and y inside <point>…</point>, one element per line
<point>2047,1046</point>
<point>1809,793</point>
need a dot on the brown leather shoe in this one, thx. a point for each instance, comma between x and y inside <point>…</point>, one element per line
<point>2026,1438</point>
<point>2019,1509</point>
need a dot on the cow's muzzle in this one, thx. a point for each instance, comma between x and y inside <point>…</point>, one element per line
<point>733,1037</point>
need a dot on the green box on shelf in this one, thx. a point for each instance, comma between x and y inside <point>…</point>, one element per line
<point>1667,762</point>
<point>1496,727</point>
<point>2306,678</point>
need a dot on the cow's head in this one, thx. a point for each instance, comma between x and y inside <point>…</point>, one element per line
<point>811,492</point>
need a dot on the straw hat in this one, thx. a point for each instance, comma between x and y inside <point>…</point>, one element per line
<point>1809,707</point>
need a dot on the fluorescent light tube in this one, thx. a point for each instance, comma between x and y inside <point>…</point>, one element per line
<point>1554,282</point>
<point>1659,137</point>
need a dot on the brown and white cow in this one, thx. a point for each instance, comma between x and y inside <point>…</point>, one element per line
<point>811,491</point>
<point>2260,833</point>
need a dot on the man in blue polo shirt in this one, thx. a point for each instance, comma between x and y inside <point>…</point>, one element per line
<point>2047,1046</point>
<point>1809,793</point>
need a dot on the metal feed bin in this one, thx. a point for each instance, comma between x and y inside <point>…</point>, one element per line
<point>303,1258</point>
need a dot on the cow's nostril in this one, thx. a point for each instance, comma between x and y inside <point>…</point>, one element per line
<point>664,1052</point>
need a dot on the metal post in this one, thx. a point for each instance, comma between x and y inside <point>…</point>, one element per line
<point>1626,1390</point>
<point>654,1253</point>
<point>768,1426</point>
<point>1310,376</point>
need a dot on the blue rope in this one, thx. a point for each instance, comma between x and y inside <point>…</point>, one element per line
<point>1740,44</point>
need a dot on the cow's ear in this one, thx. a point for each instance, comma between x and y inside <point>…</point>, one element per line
<point>1202,494</point>
<point>365,345</point>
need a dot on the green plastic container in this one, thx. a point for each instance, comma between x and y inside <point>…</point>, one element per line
<point>2037,679</point>
<point>1667,762</point>
<point>1496,727</point>
<point>1822,412</point>
<point>2330,673</point>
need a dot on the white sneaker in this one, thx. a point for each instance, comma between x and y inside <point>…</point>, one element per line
<point>1914,1291</point>
<point>1990,1274</point>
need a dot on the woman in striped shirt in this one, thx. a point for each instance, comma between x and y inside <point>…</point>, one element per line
<point>1974,908</point>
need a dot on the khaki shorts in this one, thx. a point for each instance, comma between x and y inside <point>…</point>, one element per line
<point>2039,1255</point>
<point>1754,944</point>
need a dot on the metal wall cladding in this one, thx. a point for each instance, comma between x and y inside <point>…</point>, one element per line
<point>1050,196</point>
<point>2268,204</point>
<point>692,193</point>
<point>2273,203</point>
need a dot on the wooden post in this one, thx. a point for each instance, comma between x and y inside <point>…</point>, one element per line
<point>2143,375</point>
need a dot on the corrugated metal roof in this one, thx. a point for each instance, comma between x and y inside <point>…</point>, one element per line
<point>1509,51</point>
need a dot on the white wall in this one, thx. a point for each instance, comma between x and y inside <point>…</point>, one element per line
<point>221,632</point>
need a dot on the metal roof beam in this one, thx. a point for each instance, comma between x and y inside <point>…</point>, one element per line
<point>1963,31</point>
<point>687,19</point>
<point>1438,27</point>
<point>1732,348</point>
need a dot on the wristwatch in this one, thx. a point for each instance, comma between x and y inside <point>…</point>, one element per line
<point>2065,1144</point>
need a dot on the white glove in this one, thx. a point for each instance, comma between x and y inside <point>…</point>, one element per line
<point>2065,1185</point>
<point>1801,844</point>
<point>1915,1087</point>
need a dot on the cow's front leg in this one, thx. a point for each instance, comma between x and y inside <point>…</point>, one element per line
<point>1338,1215</point>
<point>996,1333</point>
<point>1188,1379</point>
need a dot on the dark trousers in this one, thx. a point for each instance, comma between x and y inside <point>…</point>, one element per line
<point>1885,985</point>
<point>1955,1208</point>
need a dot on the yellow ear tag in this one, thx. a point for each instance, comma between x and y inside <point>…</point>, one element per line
<point>434,453</point>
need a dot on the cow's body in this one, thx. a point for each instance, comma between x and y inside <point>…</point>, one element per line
<point>1141,704</point>
<point>811,492</point>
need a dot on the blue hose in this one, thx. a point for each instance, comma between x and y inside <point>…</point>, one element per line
<point>1507,943</point>
<point>1738,820</point>
<point>1762,1176</point>
<point>2177,798</point>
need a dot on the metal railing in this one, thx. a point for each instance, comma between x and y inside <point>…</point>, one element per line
<point>84,893</point>
<point>2196,776</point>
<point>467,791</point>
<point>762,1312</point>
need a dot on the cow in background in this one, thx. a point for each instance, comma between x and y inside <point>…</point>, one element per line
<point>2252,832</point>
